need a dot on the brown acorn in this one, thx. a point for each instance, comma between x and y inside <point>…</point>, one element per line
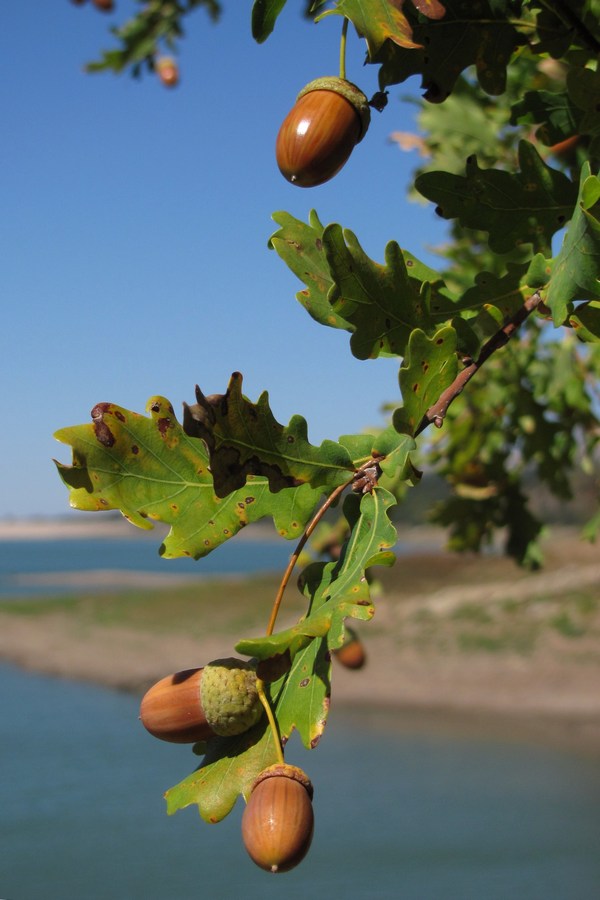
<point>195,705</point>
<point>278,822</point>
<point>330,117</point>
<point>351,654</point>
<point>167,71</point>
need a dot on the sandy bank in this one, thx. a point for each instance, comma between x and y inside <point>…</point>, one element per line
<point>474,639</point>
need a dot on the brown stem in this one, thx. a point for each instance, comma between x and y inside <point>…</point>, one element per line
<point>307,533</point>
<point>437,412</point>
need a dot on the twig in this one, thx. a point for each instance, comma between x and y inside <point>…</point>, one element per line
<point>437,413</point>
<point>307,533</point>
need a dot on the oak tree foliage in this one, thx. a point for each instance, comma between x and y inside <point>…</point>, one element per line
<point>498,349</point>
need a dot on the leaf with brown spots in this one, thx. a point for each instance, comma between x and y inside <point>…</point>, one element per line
<point>229,768</point>
<point>339,589</point>
<point>301,247</point>
<point>244,439</point>
<point>382,303</point>
<point>152,471</point>
<point>301,699</point>
<point>379,21</point>
<point>429,367</point>
<point>345,289</point>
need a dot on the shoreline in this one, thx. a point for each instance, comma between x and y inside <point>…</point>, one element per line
<point>473,641</point>
<point>512,699</point>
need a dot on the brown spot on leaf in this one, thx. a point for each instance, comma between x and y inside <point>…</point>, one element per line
<point>135,449</point>
<point>415,388</point>
<point>304,682</point>
<point>319,244</point>
<point>119,415</point>
<point>248,500</point>
<point>103,433</point>
<point>155,406</point>
<point>164,424</point>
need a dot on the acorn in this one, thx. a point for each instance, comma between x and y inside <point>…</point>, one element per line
<point>278,822</point>
<point>167,71</point>
<point>330,116</point>
<point>352,653</point>
<point>220,698</point>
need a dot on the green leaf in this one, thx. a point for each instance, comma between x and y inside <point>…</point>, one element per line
<point>583,86</point>
<point>301,248</point>
<point>379,304</point>
<point>230,767</point>
<point>586,321</point>
<point>393,451</point>
<point>245,439</point>
<point>429,367</point>
<point>302,703</point>
<point>378,21</point>
<point>152,471</point>
<point>515,209</point>
<point>337,590</point>
<point>558,115</point>
<point>494,298</point>
<point>264,16</point>
<point>382,303</point>
<point>479,34</point>
<point>142,35</point>
<point>576,269</point>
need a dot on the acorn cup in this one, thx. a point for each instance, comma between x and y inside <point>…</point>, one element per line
<point>330,116</point>
<point>198,704</point>
<point>278,822</point>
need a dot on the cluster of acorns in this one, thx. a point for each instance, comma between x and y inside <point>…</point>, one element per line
<point>222,699</point>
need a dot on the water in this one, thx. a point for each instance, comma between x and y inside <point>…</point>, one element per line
<point>38,566</point>
<point>401,814</point>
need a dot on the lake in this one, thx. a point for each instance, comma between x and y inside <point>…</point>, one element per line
<point>402,813</point>
<point>30,567</point>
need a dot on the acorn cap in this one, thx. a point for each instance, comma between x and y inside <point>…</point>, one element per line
<point>229,696</point>
<point>348,91</point>
<point>284,770</point>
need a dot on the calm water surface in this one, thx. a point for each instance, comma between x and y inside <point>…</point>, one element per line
<point>400,814</point>
<point>23,564</point>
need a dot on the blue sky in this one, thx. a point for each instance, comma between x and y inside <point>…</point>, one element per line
<point>135,226</point>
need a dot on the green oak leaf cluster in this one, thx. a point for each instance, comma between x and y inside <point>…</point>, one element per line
<point>509,152</point>
<point>301,697</point>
